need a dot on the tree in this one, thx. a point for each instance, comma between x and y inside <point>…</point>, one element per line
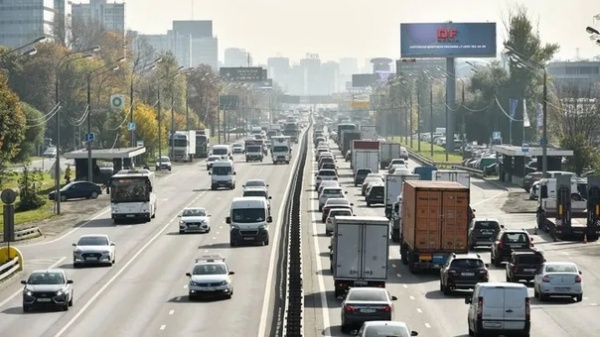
<point>85,33</point>
<point>34,134</point>
<point>203,94</point>
<point>12,122</point>
<point>146,123</point>
<point>29,185</point>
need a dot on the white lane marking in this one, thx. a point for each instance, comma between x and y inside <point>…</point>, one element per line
<point>411,297</point>
<point>593,304</point>
<point>214,237</point>
<point>20,291</point>
<point>121,271</point>
<point>405,286</point>
<point>427,326</point>
<point>171,312</point>
<point>398,275</point>
<point>162,327</point>
<point>419,310</point>
<point>217,233</point>
<point>393,265</point>
<point>267,298</point>
<point>185,286</point>
<point>220,227</point>
<point>206,250</point>
<point>490,198</point>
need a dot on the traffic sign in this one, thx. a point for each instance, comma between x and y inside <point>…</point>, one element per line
<point>525,148</point>
<point>496,135</point>
<point>117,101</point>
<point>89,137</point>
<point>543,141</point>
<point>131,126</point>
<point>243,74</point>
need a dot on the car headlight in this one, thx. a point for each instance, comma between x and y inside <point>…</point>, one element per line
<point>59,293</point>
<point>235,227</point>
<point>192,283</point>
<point>262,227</point>
<point>78,251</point>
<point>224,283</point>
<point>27,292</point>
<point>106,252</point>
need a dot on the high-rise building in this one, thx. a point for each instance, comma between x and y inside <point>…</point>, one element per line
<point>582,74</point>
<point>195,28</point>
<point>330,78</point>
<point>22,21</point>
<point>296,80</point>
<point>205,50</point>
<point>237,57</point>
<point>311,66</point>
<point>279,70</point>
<point>111,16</point>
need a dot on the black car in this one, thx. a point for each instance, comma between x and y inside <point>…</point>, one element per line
<point>483,232</point>
<point>375,195</point>
<point>508,241</point>
<point>360,176</point>
<point>47,288</point>
<point>523,265</point>
<point>77,190</point>
<point>462,272</point>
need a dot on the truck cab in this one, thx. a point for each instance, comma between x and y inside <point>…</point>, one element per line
<point>222,175</point>
<point>254,150</point>
<point>249,221</point>
<point>281,149</point>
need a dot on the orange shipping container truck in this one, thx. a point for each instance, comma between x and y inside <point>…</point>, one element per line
<point>434,223</point>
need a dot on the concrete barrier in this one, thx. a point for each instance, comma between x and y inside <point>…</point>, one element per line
<point>11,262</point>
<point>26,233</point>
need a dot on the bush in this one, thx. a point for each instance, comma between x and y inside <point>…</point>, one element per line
<point>29,185</point>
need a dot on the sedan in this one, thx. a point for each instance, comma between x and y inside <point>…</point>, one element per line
<point>48,287</point>
<point>558,279</point>
<point>77,190</point>
<point>237,148</point>
<point>366,304</point>
<point>327,183</point>
<point>93,249</point>
<point>332,203</point>
<point>210,160</point>
<point>194,219</point>
<point>385,328</point>
<point>325,175</point>
<point>368,182</point>
<point>255,183</point>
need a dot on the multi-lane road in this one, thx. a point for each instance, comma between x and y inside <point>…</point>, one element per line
<point>145,292</point>
<point>420,303</point>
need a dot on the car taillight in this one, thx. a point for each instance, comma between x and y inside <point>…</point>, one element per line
<point>452,271</point>
<point>479,307</point>
<point>387,308</point>
<point>500,244</point>
<point>527,309</point>
<point>349,308</point>
<point>577,279</point>
<point>483,271</point>
<point>515,269</point>
<point>546,278</point>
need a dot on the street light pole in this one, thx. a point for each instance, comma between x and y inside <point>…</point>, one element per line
<point>431,115</point>
<point>418,121</point>
<point>146,67</point>
<point>172,136</point>
<point>158,167</point>
<point>544,140</point>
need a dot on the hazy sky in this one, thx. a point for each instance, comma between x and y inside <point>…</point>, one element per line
<point>356,28</point>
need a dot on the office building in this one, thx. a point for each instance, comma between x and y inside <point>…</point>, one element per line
<point>311,67</point>
<point>22,21</point>
<point>196,28</point>
<point>279,70</point>
<point>237,57</point>
<point>205,50</point>
<point>296,80</point>
<point>584,74</point>
<point>330,78</point>
<point>110,16</point>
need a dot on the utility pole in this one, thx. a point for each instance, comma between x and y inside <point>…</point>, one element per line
<point>410,121</point>
<point>418,121</point>
<point>159,130</point>
<point>431,115</point>
<point>172,136</point>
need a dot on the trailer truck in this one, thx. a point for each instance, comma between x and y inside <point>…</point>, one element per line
<point>435,222</point>
<point>343,127</point>
<point>348,136</point>
<point>389,151</point>
<point>394,183</point>
<point>182,146</point>
<point>202,143</point>
<point>360,246</point>
<point>365,155</point>
<point>461,177</point>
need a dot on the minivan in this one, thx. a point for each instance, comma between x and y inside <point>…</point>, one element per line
<point>499,309</point>
<point>249,221</point>
<point>222,150</point>
<point>222,175</point>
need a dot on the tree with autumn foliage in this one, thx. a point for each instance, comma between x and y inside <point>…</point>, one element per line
<point>12,124</point>
<point>146,124</point>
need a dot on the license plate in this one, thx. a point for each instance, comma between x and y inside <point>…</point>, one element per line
<point>248,239</point>
<point>208,289</point>
<point>426,257</point>
<point>367,311</point>
<point>91,259</point>
<point>467,274</point>
<point>194,226</point>
<point>562,288</point>
<point>44,299</point>
<point>492,324</point>
<point>130,215</point>
<point>530,270</point>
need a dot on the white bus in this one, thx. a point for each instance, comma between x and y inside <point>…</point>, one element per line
<point>132,195</point>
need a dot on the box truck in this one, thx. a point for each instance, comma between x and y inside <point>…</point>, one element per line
<point>182,146</point>
<point>365,155</point>
<point>388,152</point>
<point>461,177</point>
<point>394,184</point>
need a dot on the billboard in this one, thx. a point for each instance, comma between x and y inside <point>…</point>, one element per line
<point>448,40</point>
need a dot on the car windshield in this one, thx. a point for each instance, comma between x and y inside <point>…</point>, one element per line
<point>386,331</point>
<point>515,238</point>
<point>337,201</point>
<point>357,294</point>
<point>561,268</point>
<point>193,212</point>
<point>332,191</point>
<point>280,149</point>
<point>258,183</point>
<point>255,193</point>
<point>248,215</point>
<point>340,212</point>
<point>220,151</point>
<point>487,225</point>
<point>213,158</point>
<point>210,269</point>
<point>221,170</point>
<point>92,241</point>
<point>46,278</point>
<point>467,264</point>
<point>327,173</point>
<point>164,159</point>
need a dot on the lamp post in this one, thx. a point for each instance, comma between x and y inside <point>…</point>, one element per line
<point>81,54</point>
<point>171,138</point>
<point>92,74</point>
<point>145,68</point>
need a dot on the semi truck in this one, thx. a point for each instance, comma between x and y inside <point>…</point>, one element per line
<point>182,146</point>
<point>435,223</point>
<point>461,177</point>
<point>365,155</point>
<point>291,130</point>
<point>394,184</point>
<point>348,136</point>
<point>389,151</point>
<point>281,149</point>
<point>253,148</point>
<point>360,247</point>
<point>564,214</point>
<point>202,143</point>
<point>341,127</point>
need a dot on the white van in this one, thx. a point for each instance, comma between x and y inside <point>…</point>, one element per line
<point>249,221</point>
<point>499,309</point>
<point>222,150</point>
<point>222,174</point>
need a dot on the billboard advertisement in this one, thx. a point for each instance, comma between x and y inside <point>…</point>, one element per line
<point>424,40</point>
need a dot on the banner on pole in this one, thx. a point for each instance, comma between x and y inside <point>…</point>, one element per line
<point>526,121</point>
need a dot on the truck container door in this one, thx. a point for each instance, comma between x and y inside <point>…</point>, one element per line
<point>347,251</point>
<point>375,246</point>
<point>455,220</point>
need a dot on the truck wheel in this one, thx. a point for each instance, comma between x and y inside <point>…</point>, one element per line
<point>404,255</point>
<point>395,237</point>
<point>368,204</point>
<point>232,243</point>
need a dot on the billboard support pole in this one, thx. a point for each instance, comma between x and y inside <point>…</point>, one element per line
<point>450,105</point>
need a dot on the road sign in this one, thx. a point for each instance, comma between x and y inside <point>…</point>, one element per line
<point>117,101</point>
<point>140,143</point>
<point>243,74</point>
<point>543,141</point>
<point>131,126</point>
<point>89,137</point>
<point>8,196</point>
<point>525,148</point>
<point>496,135</point>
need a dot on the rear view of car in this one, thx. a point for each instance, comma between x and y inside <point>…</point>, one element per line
<point>483,233</point>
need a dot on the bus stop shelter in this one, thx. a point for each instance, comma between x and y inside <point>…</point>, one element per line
<point>512,160</point>
<point>122,158</point>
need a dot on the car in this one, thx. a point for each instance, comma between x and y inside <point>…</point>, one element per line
<point>385,328</point>
<point>328,166</point>
<point>326,160</point>
<point>396,161</point>
<point>330,192</point>
<point>255,183</point>
<point>529,179</point>
<point>194,220</point>
<point>163,163</point>
<point>50,152</point>
<point>335,203</point>
<point>506,242</point>
<point>399,169</point>
<point>210,160</point>
<point>483,232</point>
<point>369,181</point>
<point>327,183</point>
<point>47,288</point>
<point>93,249</point>
<point>325,174</point>
<point>321,150</point>
<point>462,271</point>
<point>365,304</point>
<point>375,194</point>
<point>257,191</point>
<point>77,190</point>
<point>558,279</point>
<point>534,190</point>
<point>237,148</point>
<point>404,153</point>
<point>210,276</point>
<point>360,176</point>
<point>394,167</point>
<point>523,265</point>
<point>333,213</point>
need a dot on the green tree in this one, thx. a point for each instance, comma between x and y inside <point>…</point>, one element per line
<point>146,128</point>
<point>34,134</point>
<point>29,185</point>
<point>203,94</point>
<point>12,122</point>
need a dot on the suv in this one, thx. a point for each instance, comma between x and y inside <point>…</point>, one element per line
<point>360,176</point>
<point>506,242</point>
<point>483,232</point>
<point>462,272</point>
<point>523,265</point>
<point>375,195</point>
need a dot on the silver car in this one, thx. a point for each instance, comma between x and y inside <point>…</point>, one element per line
<point>558,279</point>
<point>366,304</point>
<point>210,276</point>
<point>194,220</point>
<point>93,249</point>
<point>386,328</point>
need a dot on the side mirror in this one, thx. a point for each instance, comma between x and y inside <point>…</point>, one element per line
<point>580,272</point>
<point>267,185</point>
<point>208,215</point>
<point>269,219</point>
<point>394,298</point>
<point>231,273</point>
<point>345,192</point>
<point>188,274</point>
<point>23,282</point>
<point>112,244</point>
<point>502,226</point>
<point>243,185</point>
<point>234,173</point>
<point>270,197</point>
<point>69,281</point>
<point>531,239</point>
<point>179,215</point>
<point>414,333</point>
<point>351,204</point>
<point>74,245</point>
<point>474,210</point>
<point>468,300</point>
<point>328,247</point>
<point>209,173</point>
<point>228,220</point>
<point>487,265</point>
<point>353,214</point>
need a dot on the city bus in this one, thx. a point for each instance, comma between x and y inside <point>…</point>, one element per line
<point>132,195</point>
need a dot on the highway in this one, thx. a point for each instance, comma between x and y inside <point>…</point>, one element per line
<point>144,293</point>
<point>420,303</point>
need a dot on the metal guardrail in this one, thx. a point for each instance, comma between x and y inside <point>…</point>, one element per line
<point>9,268</point>
<point>25,233</point>
<point>425,161</point>
<point>471,170</point>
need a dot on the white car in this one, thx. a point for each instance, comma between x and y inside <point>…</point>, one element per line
<point>558,279</point>
<point>255,183</point>
<point>237,148</point>
<point>333,213</point>
<point>93,249</point>
<point>327,183</point>
<point>404,153</point>
<point>210,276</point>
<point>210,160</point>
<point>163,163</point>
<point>369,180</point>
<point>330,192</point>
<point>533,190</point>
<point>194,220</point>
<point>323,175</point>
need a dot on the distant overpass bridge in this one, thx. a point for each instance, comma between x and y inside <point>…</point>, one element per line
<point>329,99</point>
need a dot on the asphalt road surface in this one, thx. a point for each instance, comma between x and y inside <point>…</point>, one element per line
<point>145,292</point>
<point>420,303</point>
